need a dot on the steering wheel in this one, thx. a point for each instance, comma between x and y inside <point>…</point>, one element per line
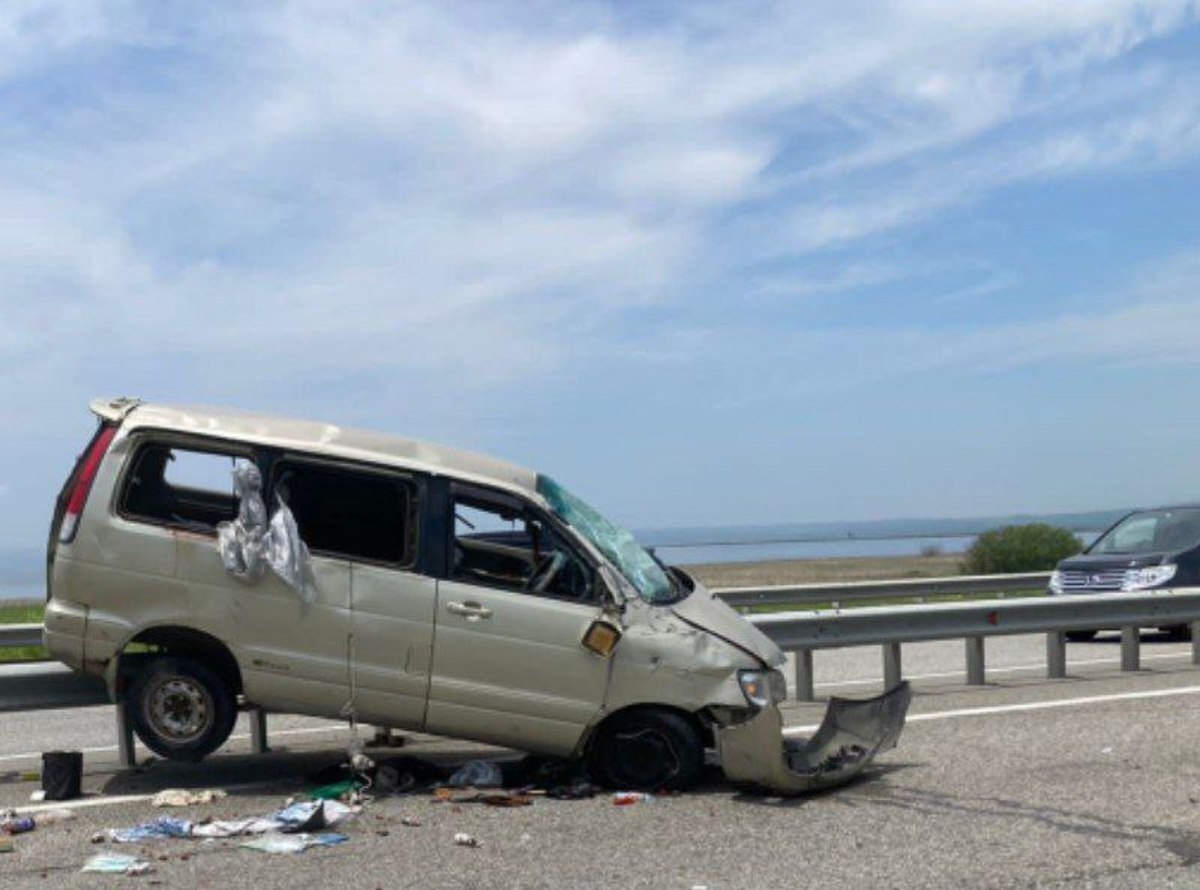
<point>545,572</point>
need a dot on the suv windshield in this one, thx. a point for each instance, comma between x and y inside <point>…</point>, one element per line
<point>1152,531</point>
<point>653,582</point>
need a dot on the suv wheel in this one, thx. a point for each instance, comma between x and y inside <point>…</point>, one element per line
<point>181,709</point>
<point>649,749</point>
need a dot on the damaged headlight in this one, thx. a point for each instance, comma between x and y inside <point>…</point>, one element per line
<point>762,687</point>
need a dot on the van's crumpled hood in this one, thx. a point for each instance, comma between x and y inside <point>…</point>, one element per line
<point>704,610</point>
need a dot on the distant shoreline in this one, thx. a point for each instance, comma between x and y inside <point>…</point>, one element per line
<point>767,572</point>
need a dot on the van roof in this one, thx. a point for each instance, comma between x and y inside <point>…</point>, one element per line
<point>317,438</point>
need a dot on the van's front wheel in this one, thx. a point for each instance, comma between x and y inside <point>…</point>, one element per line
<point>649,749</point>
<point>181,709</point>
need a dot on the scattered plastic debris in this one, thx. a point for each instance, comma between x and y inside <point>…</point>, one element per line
<point>116,864</point>
<point>292,843</point>
<point>305,816</point>
<point>335,791</point>
<point>181,797</point>
<point>463,839</point>
<point>1106,750</point>
<point>411,822</point>
<point>476,774</point>
<point>37,796</point>
<point>6,843</point>
<point>17,825</point>
<point>627,798</point>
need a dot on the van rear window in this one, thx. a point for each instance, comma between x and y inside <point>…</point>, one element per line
<point>178,486</point>
<point>350,512</point>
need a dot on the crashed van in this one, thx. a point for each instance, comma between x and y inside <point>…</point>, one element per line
<point>201,560</point>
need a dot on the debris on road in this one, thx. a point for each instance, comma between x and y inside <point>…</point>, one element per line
<point>17,825</point>
<point>62,775</point>
<point>463,839</point>
<point>292,843</point>
<point>305,816</point>
<point>6,843</point>
<point>181,797</point>
<point>627,798</point>
<point>411,822</point>
<point>116,864</point>
<point>477,774</point>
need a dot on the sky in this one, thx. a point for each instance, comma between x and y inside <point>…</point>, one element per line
<point>705,263</point>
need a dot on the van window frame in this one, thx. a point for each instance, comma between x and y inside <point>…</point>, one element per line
<point>144,438</point>
<point>500,498</point>
<point>416,560</point>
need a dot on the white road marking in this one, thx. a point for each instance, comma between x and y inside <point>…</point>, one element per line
<point>1011,669</point>
<point>1029,706</point>
<point>84,803</point>
<point>242,736</point>
<point>89,803</point>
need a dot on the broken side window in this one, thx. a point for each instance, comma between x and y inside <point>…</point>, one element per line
<point>181,486</point>
<point>511,546</point>
<point>351,512</point>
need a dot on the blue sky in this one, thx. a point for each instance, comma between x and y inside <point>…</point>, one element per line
<point>707,263</point>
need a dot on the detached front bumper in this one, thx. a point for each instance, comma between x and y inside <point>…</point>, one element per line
<point>849,738</point>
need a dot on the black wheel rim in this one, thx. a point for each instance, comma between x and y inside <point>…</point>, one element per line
<point>645,757</point>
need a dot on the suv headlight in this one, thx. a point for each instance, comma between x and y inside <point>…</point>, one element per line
<point>762,687</point>
<point>1140,579</point>
<point>1056,581</point>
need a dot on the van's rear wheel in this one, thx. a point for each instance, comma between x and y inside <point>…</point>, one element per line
<point>181,709</point>
<point>648,749</point>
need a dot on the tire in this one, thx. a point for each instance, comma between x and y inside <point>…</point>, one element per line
<point>180,708</point>
<point>647,750</point>
<point>1081,636</point>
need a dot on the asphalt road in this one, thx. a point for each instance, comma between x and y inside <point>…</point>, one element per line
<point>1086,782</point>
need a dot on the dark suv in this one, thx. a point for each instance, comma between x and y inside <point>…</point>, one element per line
<point>1145,549</point>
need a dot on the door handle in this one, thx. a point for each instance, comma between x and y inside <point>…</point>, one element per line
<point>471,611</point>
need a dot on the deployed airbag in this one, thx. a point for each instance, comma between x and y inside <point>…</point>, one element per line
<point>251,544</point>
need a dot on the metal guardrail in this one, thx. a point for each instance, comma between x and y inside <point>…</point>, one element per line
<point>13,635</point>
<point>854,591</point>
<point>804,632</point>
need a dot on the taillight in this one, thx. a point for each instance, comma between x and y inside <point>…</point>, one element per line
<point>83,483</point>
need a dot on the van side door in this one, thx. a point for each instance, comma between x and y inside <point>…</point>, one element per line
<point>513,607</point>
<point>369,516</point>
<point>292,653</point>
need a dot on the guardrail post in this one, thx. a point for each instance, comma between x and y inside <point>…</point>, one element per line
<point>125,749</point>
<point>1056,655</point>
<point>1195,628</point>
<point>803,675</point>
<point>892,674</point>
<point>975,661</point>
<point>258,730</point>
<point>1131,649</point>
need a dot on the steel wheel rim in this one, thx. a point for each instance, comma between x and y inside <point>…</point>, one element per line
<point>179,709</point>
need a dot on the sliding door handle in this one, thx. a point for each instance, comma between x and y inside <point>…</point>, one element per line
<point>470,611</point>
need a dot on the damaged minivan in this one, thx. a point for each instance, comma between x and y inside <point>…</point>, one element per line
<point>203,559</point>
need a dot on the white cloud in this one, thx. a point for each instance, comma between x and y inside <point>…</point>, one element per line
<point>472,194</point>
